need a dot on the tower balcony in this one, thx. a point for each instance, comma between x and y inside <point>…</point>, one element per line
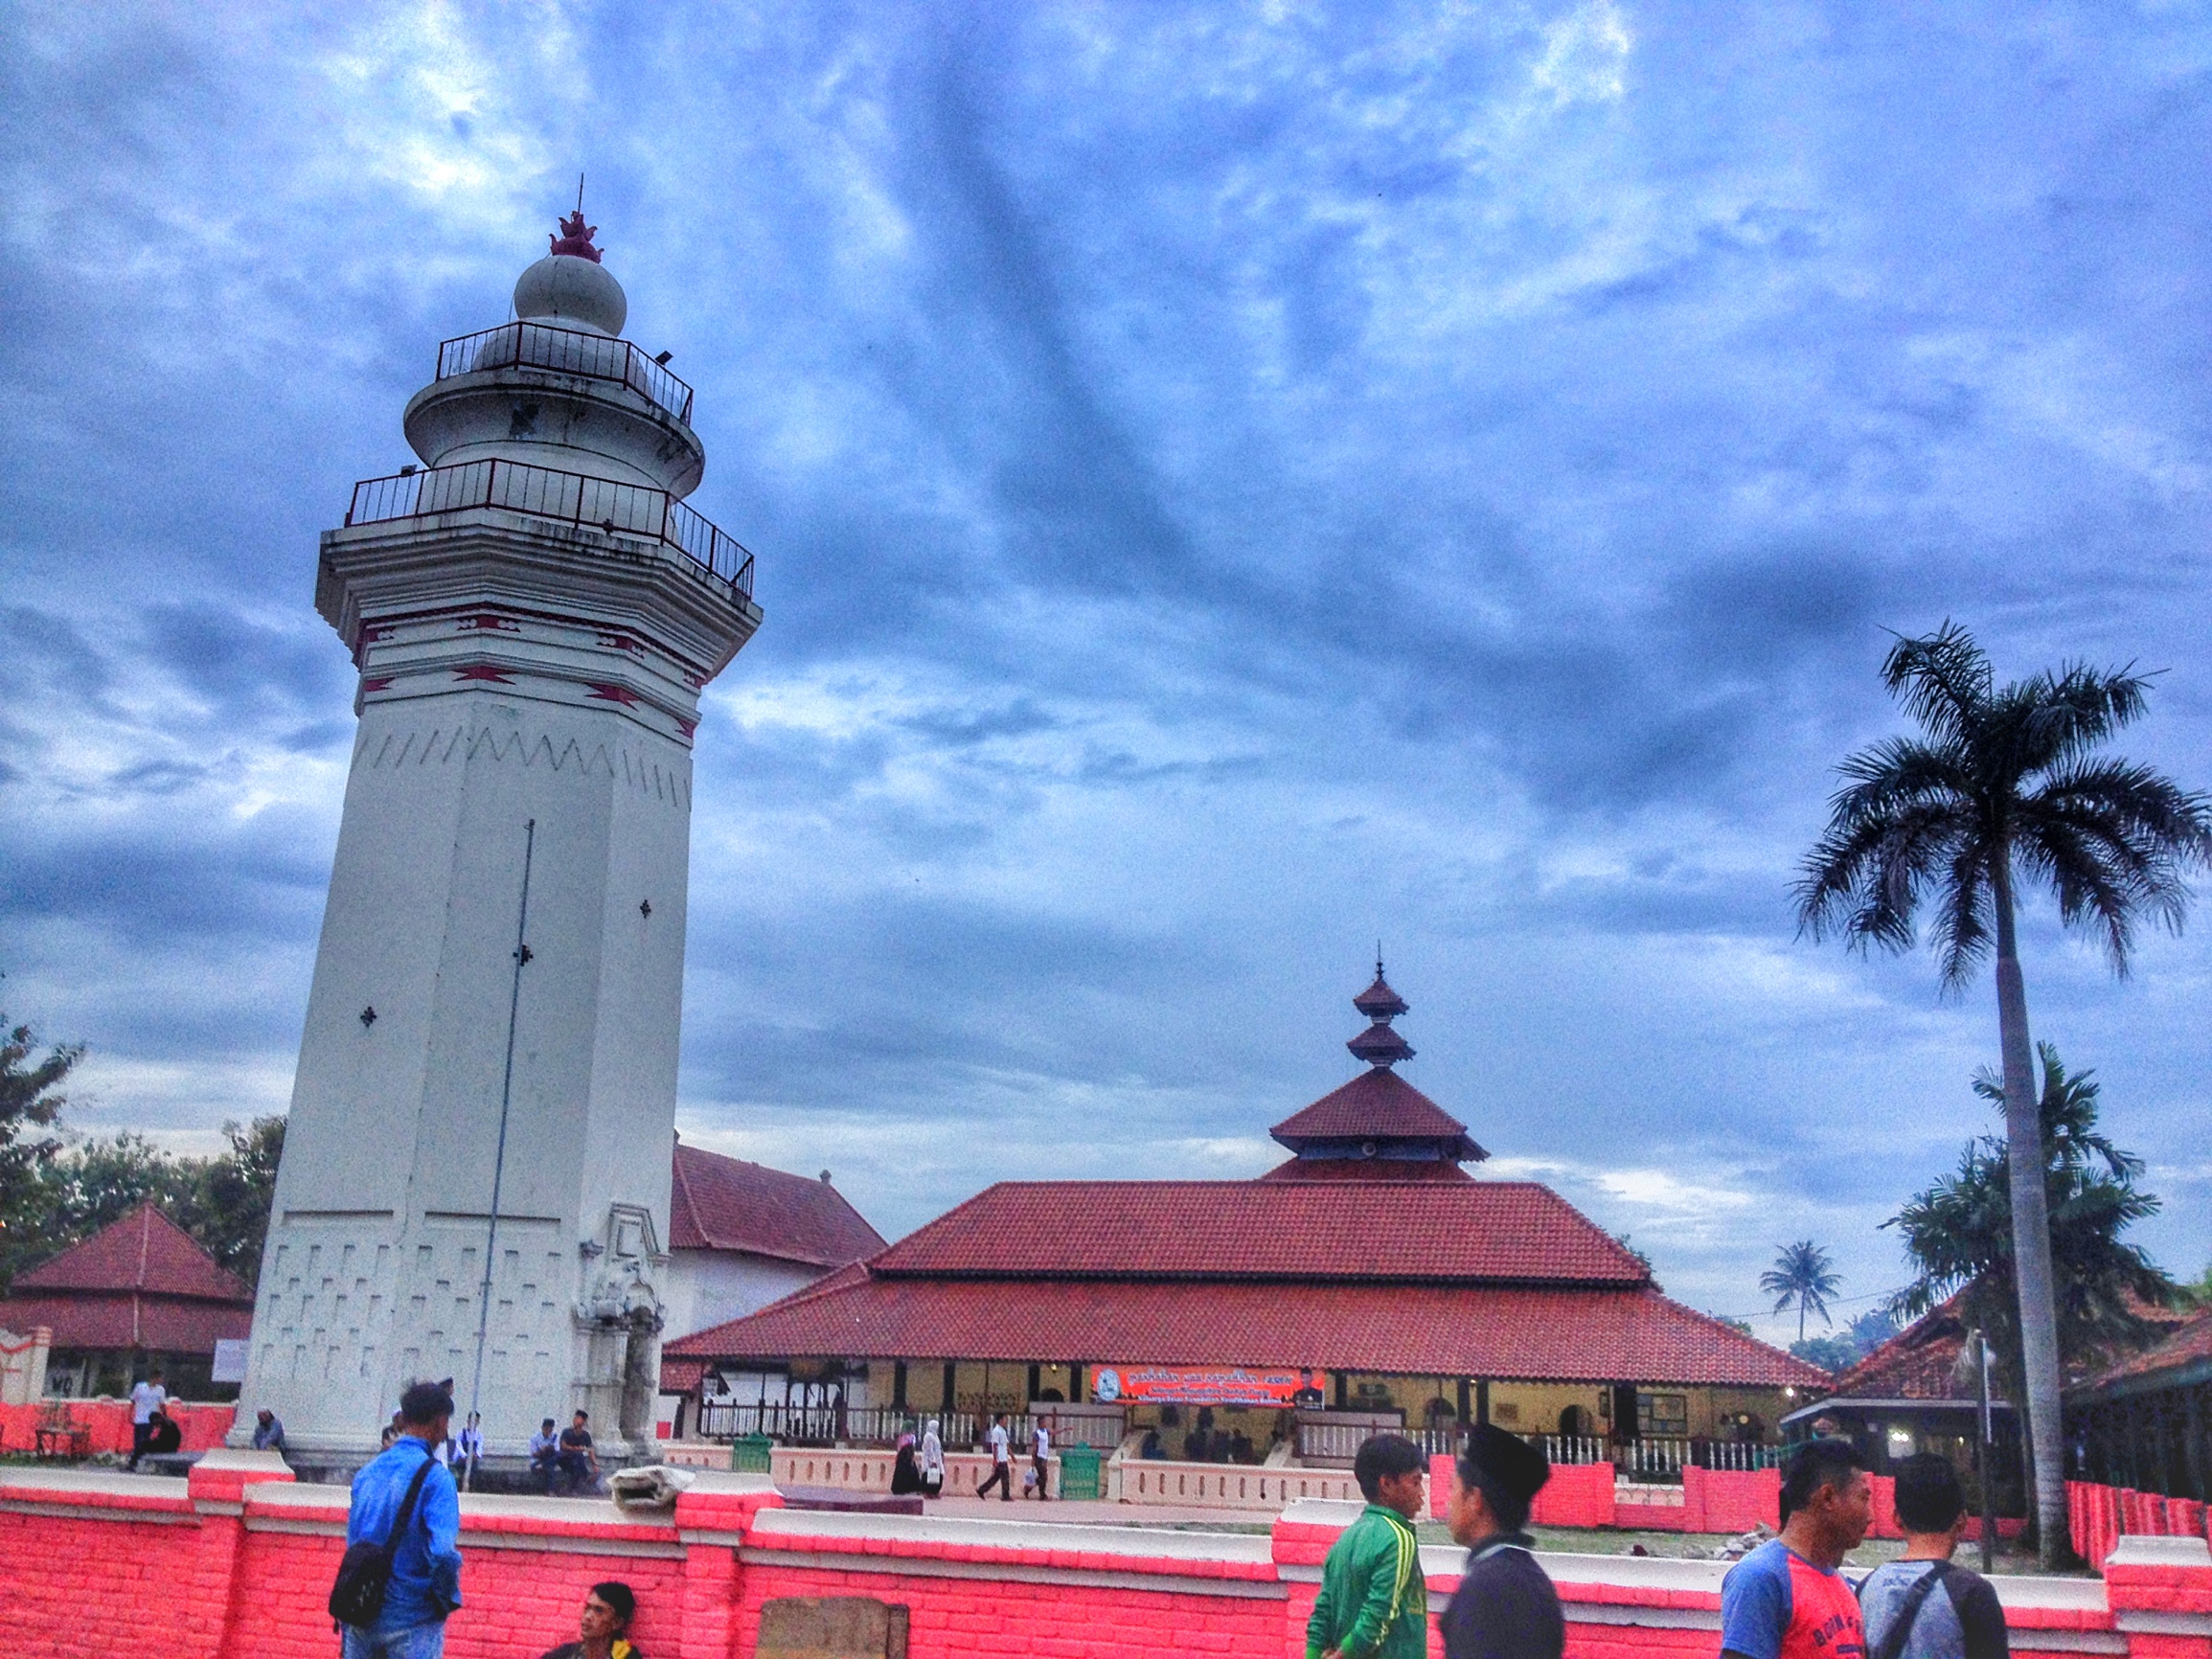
<point>570,498</point>
<point>565,352</point>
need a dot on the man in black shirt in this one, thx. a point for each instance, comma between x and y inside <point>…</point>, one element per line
<point>1505,1606</point>
<point>576,1459</point>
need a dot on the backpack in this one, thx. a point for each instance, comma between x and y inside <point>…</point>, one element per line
<point>365,1570</point>
<point>1908,1611</point>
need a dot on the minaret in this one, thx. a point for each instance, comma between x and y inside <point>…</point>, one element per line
<point>499,984</point>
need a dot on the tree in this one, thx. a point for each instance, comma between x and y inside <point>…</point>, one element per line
<point>29,1103</point>
<point>1802,1277</point>
<point>1843,1349</point>
<point>2004,785</point>
<point>1959,1232</point>
<point>223,1201</point>
<point>230,1212</point>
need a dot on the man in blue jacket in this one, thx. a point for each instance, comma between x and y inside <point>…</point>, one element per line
<point>426,1567</point>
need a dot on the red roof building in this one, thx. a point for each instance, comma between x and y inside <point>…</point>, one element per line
<point>741,1235</point>
<point>1370,1272</point>
<point>141,1291</point>
<point>2146,1421</point>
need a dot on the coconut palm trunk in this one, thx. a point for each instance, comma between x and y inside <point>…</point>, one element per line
<point>2032,1274</point>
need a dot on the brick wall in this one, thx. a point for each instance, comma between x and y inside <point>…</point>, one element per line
<point>202,1426</point>
<point>238,1559</point>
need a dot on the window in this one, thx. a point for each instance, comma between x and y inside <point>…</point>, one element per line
<point>1662,1413</point>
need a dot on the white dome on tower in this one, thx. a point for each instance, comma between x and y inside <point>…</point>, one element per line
<point>570,286</point>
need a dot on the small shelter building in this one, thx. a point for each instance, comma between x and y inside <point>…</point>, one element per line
<point>140,1293</point>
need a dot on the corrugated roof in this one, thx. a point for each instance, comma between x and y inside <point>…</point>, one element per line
<point>1437,1232</point>
<point>1583,1336</point>
<point>722,1203</point>
<point>144,1250</point>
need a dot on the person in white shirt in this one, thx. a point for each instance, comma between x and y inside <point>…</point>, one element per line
<point>1001,1462</point>
<point>469,1448</point>
<point>1040,1456</point>
<point>147,1399</point>
<point>932,1462</point>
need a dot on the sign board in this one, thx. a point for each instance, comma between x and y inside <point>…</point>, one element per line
<point>230,1360</point>
<point>1206,1385</point>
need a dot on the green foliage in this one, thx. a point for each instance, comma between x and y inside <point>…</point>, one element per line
<point>1622,1239</point>
<point>2197,1292</point>
<point>1959,1232</point>
<point>2002,784</point>
<point>1741,1327</point>
<point>1841,1350</point>
<point>29,1107</point>
<point>1803,1277</point>
<point>1832,1352</point>
<point>222,1201</point>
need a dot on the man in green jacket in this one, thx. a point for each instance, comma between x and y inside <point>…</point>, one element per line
<point>1373,1604</point>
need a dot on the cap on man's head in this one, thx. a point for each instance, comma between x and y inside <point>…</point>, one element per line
<point>425,1402</point>
<point>1506,1462</point>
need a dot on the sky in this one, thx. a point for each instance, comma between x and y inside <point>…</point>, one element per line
<point>1231,485</point>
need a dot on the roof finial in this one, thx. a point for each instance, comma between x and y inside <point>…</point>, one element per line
<point>574,238</point>
<point>1379,1045</point>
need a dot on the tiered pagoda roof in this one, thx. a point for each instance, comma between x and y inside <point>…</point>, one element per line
<point>1377,1126</point>
<point>1330,1262</point>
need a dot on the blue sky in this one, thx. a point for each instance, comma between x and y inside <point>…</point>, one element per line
<point>1229,485</point>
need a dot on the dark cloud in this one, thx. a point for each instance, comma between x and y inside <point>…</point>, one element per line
<point>1224,488</point>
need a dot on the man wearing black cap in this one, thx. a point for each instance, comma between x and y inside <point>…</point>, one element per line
<point>1505,1606</point>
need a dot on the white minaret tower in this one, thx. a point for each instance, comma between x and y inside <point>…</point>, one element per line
<point>475,1180</point>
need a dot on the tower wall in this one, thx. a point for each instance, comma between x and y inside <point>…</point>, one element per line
<point>529,690</point>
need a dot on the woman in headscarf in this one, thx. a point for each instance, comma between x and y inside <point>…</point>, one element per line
<point>905,1473</point>
<point>932,1461</point>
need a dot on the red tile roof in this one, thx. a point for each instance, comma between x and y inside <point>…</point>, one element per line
<point>1583,1336</point>
<point>1919,1362</point>
<point>140,1281</point>
<point>1375,1103</point>
<point>1434,1232</point>
<point>1366,1170</point>
<point>719,1203</point>
<point>142,1251</point>
<point>95,1319</point>
<point>2188,1345</point>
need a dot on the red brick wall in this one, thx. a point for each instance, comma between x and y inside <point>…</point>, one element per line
<point>1577,1495</point>
<point>223,1564</point>
<point>203,1426</point>
<point>1730,1501</point>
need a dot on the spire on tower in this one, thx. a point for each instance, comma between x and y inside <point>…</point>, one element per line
<point>1379,1045</point>
<point>574,238</point>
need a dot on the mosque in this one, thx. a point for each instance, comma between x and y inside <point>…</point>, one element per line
<point>1368,1279</point>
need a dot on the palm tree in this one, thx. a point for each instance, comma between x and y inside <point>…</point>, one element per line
<point>2004,785</point>
<point>1803,1275</point>
<point>1959,1233</point>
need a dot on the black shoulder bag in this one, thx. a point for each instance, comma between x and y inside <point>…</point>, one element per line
<point>1908,1611</point>
<point>365,1572</point>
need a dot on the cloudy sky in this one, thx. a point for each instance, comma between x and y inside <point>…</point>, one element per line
<point>1230,485</point>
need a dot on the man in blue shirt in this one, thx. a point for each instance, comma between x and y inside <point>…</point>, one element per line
<point>426,1567</point>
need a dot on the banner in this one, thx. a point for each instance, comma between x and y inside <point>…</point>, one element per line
<point>1206,1385</point>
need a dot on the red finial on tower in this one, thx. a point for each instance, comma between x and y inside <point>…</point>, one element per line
<point>574,238</point>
